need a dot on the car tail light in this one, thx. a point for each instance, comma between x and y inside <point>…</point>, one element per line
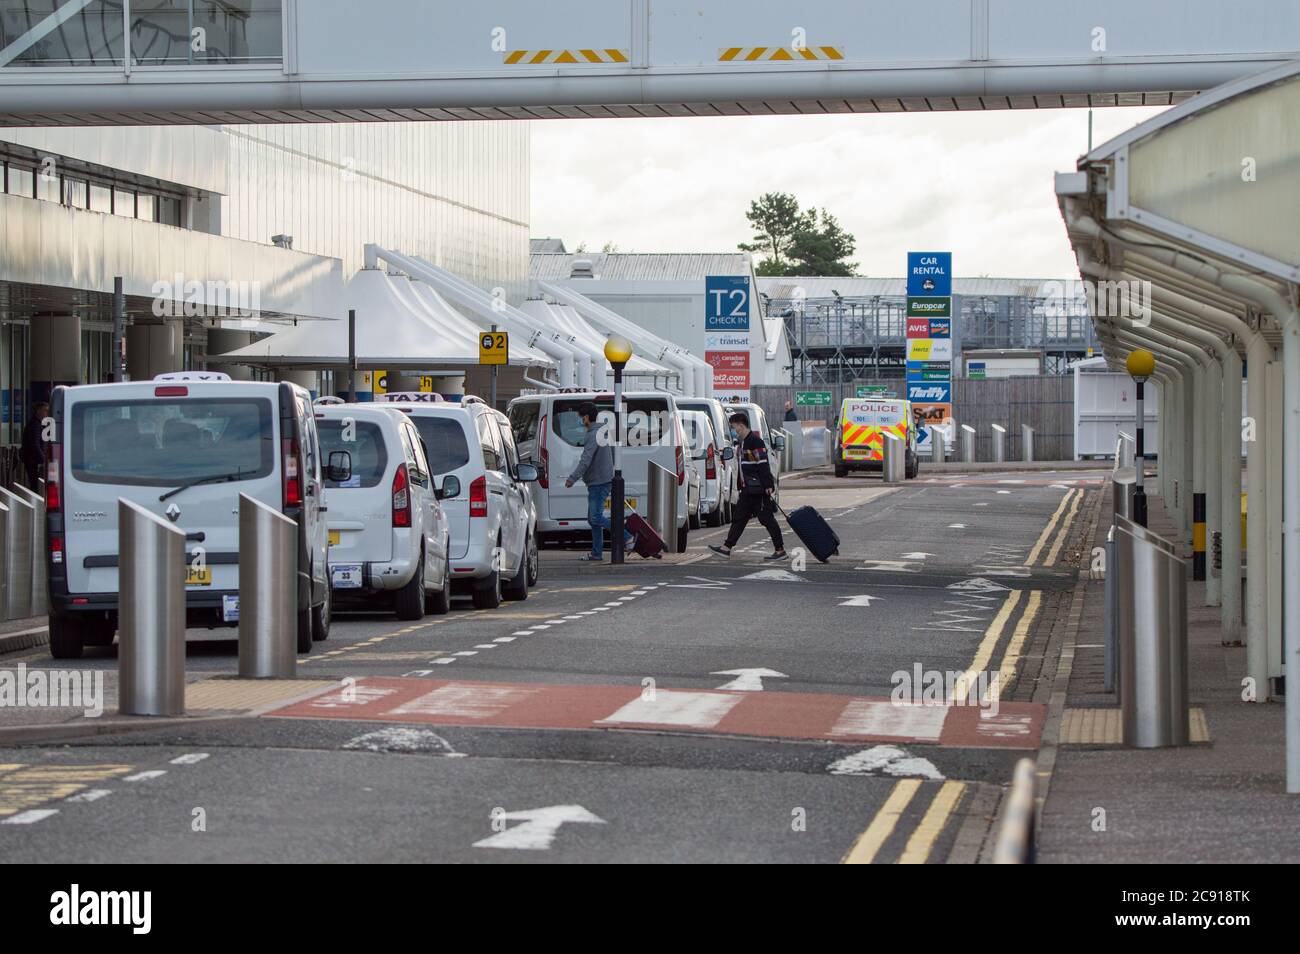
<point>710,464</point>
<point>56,549</point>
<point>544,476</point>
<point>54,478</point>
<point>478,497</point>
<point>401,498</point>
<point>292,479</point>
<point>678,455</point>
<point>171,390</point>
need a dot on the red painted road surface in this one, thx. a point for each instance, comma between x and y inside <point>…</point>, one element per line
<point>783,715</point>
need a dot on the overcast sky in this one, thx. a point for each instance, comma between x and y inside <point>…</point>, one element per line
<point>978,184</point>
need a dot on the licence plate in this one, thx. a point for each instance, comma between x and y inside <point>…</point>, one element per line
<point>335,536</point>
<point>346,577</point>
<point>198,576</point>
<point>629,503</point>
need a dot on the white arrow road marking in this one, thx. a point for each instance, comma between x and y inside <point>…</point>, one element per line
<point>918,555</point>
<point>539,827</point>
<point>860,600</point>
<point>748,680</point>
<point>888,759</point>
<point>777,576</point>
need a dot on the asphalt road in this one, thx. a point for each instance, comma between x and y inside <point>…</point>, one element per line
<point>690,709</point>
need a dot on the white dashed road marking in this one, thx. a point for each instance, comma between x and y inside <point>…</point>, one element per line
<point>189,758</point>
<point>30,816</point>
<point>145,776</point>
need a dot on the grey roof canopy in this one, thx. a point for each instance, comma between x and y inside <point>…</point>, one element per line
<point>398,326</point>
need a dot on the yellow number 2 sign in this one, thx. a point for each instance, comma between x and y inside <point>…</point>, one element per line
<point>493,347</point>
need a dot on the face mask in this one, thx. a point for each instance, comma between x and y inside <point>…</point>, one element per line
<point>734,435</point>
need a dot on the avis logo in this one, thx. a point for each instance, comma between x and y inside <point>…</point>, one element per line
<point>927,394</point>
<point>103,907</point>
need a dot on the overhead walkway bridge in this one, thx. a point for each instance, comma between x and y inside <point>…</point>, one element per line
<point>68,62</point>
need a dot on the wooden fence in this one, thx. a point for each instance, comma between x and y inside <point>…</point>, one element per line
<point>1044,402</point>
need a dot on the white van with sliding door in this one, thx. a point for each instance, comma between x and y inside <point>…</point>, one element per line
<point>493,535</point>
<point>389,538</point>
<point>184,447</point>
<point>549,431</point>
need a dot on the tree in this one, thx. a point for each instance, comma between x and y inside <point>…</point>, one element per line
<point>776,219</point>
<point>797,242</point>
<point>823,248</point>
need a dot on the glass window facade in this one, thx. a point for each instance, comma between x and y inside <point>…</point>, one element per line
<point>162,32</point>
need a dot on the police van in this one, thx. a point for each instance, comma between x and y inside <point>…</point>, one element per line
<point>183,446</point>
<point>862,430</point>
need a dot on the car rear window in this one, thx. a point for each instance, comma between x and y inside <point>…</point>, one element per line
<point>162,443</point>
<point>444,442</point>
<point>648,419</point>
<point>363,440</point>
<point>698,430</point>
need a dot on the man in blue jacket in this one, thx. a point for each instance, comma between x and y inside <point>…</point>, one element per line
<point>757,490</point>
<point>596,470</point>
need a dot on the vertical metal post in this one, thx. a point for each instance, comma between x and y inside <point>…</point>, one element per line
<point>268,600</point>
<point>151,618</point>
<point>616,503</point>
<point>1139,460</point>
<point>352,355</point>
<point>119,329</point>
<point>4,558</point>
<point>492,386</point>
<point>40,572</point>
<point>1026,443</point>
<point>936,445</point>
<point>967,444</point>
<point>1112,571</point>
<point>893,465</point>
<point>18,553</point>
<point>999,443</point>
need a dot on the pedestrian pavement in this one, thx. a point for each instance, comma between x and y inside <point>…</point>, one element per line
<point>1221,800</point>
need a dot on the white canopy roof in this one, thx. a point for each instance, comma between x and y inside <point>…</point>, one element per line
<point>398,326</point>
<point>567,321</point>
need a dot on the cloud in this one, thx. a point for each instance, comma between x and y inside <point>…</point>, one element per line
<point>978,183</point>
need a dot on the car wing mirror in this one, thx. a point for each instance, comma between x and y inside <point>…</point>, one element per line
<point>728,453</point>
<point>450,488</point>
<point>339,468</point>
<point>528,472</point>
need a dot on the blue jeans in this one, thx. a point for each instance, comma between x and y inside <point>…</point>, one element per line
<point>597,494</point>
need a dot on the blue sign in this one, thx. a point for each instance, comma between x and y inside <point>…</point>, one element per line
<point>940,327</point>
<point>929,273</point>
<point>930,392</point>
<point>726,303</point>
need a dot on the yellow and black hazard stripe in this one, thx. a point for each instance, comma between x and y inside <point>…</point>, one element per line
<point>778,54</point>
<point>577,57</point>
<point>1198,536</point>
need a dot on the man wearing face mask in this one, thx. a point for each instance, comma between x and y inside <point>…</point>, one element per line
<point>757,490</point>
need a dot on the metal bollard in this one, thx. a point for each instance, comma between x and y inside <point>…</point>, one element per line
<point>1026,443</point>
<point>40,570</point>
<point>999,443</point>
<point>967,444</point>
<point>151,615</point>
<point>4,557</point>
<point>936,445</point>
<point>268,598</point>
<point>1152,614</point>
<point>661,513</point>
<point>1112,572</point>
<point>1123,481</point>
<point>891,451</point>
<point>18,556</point>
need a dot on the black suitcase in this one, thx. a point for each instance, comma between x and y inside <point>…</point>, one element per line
<point>816,534</point>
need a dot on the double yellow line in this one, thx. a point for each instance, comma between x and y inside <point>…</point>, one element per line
<point>921,842</point>
<point>1071,501</point>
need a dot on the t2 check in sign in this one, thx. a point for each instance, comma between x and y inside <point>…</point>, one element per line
<point>494,347</point>
<point>726,303</point>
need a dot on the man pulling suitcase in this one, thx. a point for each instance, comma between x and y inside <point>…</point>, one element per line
<point>757,490</point>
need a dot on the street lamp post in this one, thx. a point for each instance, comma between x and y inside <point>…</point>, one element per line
<point>618,351</point>
<point>1141,365</point>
